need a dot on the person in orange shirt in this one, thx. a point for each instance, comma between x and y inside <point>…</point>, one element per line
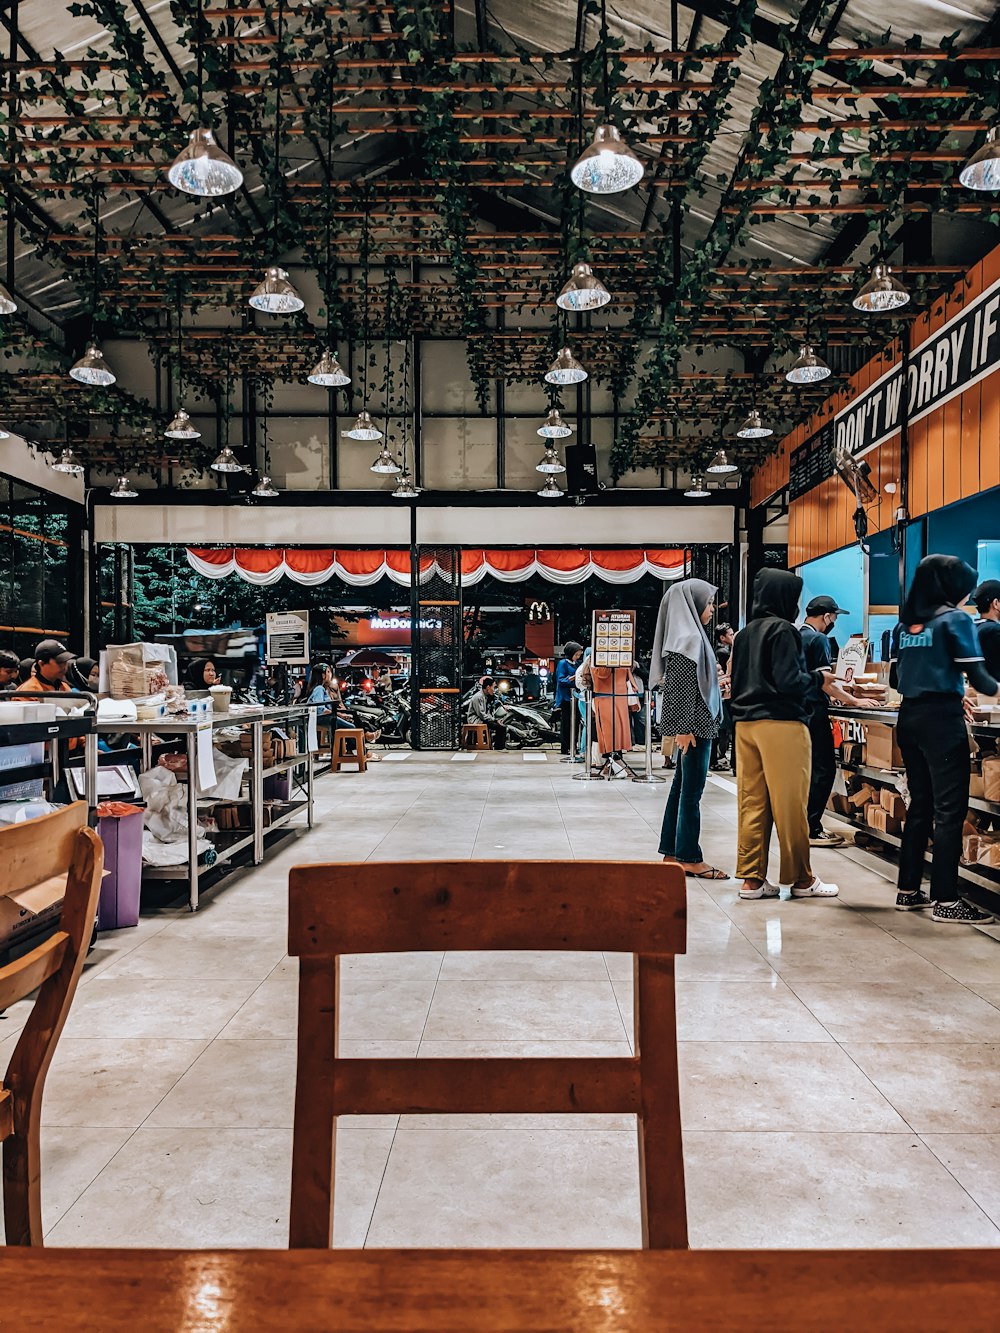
<point>49,672</point>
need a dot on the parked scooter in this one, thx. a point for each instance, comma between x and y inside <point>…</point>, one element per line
<point>528,725</point>
<point>389,714</point>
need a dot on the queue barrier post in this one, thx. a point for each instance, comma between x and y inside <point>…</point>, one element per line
<point>648,776</point>
<point>586,775</point>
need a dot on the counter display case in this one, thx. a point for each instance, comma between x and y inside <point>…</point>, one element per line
<point>869,795</point>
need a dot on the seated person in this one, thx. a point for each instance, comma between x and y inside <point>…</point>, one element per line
<point>482,708</point>
<point>83,674</point>
<point>322,688</point>
<point>202,674</point>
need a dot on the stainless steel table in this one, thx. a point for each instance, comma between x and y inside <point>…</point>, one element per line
<point>187,728</point>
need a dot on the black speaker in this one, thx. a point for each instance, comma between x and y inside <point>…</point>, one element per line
<point>581,470</point>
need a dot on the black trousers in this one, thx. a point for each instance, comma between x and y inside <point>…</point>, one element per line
<point>934,744</point>
<point>566,710</point>
<point>824,769</point>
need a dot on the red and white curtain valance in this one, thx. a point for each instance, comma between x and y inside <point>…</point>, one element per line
<point>360,569</point>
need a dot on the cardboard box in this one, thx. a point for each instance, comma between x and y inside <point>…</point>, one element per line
<point>881,750</point>
<point>880,819</point>
<point>893,804</point>
<point>989,854</point>
<point>864,795</point>
<point>840,804</point>
<point>852,753</point>
<point>23,911</point>
<point>977,785</point>
<point>991,777</point>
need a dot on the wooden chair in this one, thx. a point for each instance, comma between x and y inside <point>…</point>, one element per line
<point>475,736</point>
<point>341,755</point>
<point>349,908</point>
<point>42,852</point>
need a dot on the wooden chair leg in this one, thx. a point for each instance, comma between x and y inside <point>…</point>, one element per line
<point>314,1143</point>
<point>22,1185</point>
<point>661,1149</point>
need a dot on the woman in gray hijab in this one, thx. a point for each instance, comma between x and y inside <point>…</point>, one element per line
<point>685,668</point>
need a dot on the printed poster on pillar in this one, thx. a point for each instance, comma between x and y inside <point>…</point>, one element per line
<point>954,358</point>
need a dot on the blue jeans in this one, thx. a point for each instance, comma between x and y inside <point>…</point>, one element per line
<point>681,829</point>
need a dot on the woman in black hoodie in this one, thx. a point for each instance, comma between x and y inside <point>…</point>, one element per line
<point>770,707</point>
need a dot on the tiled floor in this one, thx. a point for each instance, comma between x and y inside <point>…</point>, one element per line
<point>841,1079</point>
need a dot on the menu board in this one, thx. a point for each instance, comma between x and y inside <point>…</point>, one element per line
<point>613,638</point>
<point>811,462</point>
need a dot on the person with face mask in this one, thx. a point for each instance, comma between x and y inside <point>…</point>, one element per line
<point>821,617</point>
<point>935,647</point>
<point>771,688</point>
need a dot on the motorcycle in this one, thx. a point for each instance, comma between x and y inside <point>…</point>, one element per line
<point>528,725</point>
<point>389,714</point>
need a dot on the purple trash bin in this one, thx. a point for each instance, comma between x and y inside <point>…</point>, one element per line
<point>119,901</point>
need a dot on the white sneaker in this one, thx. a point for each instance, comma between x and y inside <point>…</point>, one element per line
<point>766,890</point>
<point>817,889</point>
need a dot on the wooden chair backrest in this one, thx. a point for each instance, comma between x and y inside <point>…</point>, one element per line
<point>56,849</point>
<point>348,908</point>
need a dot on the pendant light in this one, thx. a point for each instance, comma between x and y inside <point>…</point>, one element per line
<point>405,488</point>
<point>385,464</point>
<point>67,462</point>
<point>982,170</point>
<point>721,465</point>
<point>363,429</point>
<point>226,461</point>
<point>202,168</point>
<point>565,369</point>
<point>608,166</point>
<point>123,490</point>
<point>553,427</point>
<point>265,489</point>
<point>274,294</point>
<point>753,428</point>
<point>808,369</point>
<point>882,292</point>
<point>181,427</point>
<point>4,434</point>
<point>92,369</point>
<point>550,463</point>
<point>583,291</point>
<point>550,491</point>
<point>7,303</point>
<point>697,490</point>
<point>327,372</point>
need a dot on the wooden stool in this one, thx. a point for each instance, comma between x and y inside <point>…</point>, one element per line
<point>475,736</point>
<point>340,755</point>
<point>348,908</point>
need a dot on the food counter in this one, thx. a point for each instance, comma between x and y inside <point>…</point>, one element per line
<point>260,821</point>
<point>869,794</point>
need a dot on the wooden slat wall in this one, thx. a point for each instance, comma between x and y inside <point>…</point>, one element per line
<point>954,450</point>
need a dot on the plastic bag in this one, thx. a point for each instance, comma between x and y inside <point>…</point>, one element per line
<point>17,812</point>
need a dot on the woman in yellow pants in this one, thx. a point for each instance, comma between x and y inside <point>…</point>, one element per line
<point>770,707</point>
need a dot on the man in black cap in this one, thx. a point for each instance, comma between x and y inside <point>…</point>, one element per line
<point>49,672</point>
<point>987,600</point>
<point>821,616</point>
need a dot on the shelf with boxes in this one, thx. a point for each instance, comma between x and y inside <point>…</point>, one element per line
<point>275,744</point>
<point>869,793</point>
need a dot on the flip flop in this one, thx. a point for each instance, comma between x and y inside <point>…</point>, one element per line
<point>710,873</point>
